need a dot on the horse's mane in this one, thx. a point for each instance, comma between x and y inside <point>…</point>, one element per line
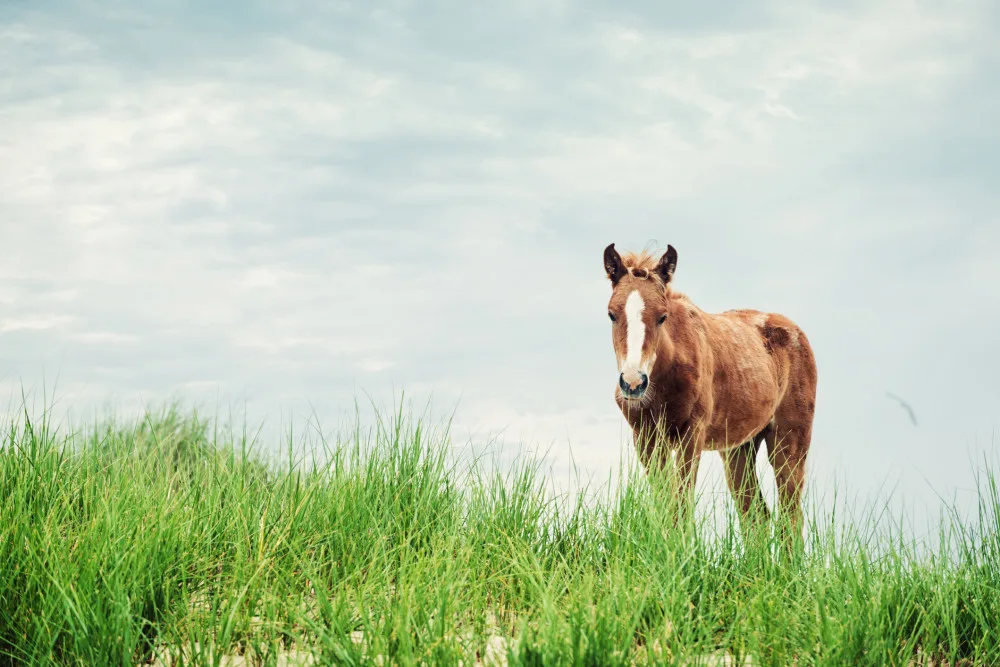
<point>643,265</point>
<point>644,261</point>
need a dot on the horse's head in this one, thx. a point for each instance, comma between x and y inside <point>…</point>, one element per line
<point>639,309</point>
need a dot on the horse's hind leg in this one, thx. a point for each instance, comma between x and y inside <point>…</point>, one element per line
<point>787,450</point>
<point>741,474</point>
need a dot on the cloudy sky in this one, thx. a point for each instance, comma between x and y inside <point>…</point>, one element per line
<point>293,203</point>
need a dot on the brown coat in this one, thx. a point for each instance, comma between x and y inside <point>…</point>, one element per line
<point>722,382</point>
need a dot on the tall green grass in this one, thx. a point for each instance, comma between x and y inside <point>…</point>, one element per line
<point>163,541</point>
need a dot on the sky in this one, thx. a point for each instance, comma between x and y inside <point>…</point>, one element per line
<point>294,205</point>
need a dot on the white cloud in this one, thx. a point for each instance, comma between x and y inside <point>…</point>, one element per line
<point>375,365</point>
<point>33,323</point>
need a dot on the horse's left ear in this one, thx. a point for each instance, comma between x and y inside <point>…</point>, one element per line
<point>667,265</point>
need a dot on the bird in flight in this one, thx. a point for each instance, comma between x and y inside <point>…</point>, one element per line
<point>906,406</point>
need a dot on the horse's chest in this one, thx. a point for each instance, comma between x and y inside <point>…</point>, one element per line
<point>668,419</point>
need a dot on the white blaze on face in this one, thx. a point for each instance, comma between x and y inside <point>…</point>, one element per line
<point>635,332</point>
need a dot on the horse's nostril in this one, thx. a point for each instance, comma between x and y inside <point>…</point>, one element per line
<point>631,389</point>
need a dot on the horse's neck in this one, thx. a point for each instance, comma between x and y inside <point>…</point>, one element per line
<point>688,343</point>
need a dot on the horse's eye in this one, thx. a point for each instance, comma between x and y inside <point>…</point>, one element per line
<point>663,318</point>
<point>612,316</point>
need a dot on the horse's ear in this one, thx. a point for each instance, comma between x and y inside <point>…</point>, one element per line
<point>613,264</point>
<point>667,265</point>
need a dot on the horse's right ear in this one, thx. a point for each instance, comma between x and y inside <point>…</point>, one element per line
<point>613,264</point>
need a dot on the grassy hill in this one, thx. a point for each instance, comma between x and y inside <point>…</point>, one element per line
<point>164,542</point>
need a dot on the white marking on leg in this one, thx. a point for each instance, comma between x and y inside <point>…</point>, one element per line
<point>635,330</point>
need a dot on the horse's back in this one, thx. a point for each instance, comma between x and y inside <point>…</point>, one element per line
<point>776,331</point>
<point>784,344</point>
<point>790,351</point>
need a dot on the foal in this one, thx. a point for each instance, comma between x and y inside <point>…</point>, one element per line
<point>703,381</point>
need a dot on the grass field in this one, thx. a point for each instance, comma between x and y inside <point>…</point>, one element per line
<point>166,542</point>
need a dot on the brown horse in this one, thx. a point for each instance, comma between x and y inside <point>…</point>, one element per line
<point>698,381</point>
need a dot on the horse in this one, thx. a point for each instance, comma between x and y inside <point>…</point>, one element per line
<point>698,381</point>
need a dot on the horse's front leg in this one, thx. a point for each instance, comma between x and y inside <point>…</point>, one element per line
<point>657,449</point>
<point>652,446</point>
<point>688,457</point>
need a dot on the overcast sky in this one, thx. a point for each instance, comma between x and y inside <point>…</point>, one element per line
<point>290,203</point>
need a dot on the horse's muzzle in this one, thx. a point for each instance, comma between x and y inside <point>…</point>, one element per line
<point>633,390</point>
